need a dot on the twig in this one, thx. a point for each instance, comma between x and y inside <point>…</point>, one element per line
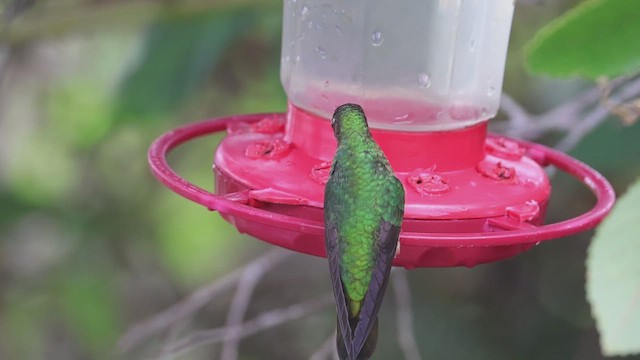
<point>264,321</point>
<point>627,111</point>
<point>570,117</point>
<point>581,129</point>
<point>194,302</point>
<point>563,115</point>
<point>238,309</point>
<point>406,335</point>
<point>327,349</point>
<point>168,339</point>
<point>522,124</point>
<point>518,117</point>
<point>597,116</point>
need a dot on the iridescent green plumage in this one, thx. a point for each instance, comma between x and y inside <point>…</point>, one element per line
<point>364,206</point>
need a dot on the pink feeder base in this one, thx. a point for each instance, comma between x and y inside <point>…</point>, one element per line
<point>471,199</point>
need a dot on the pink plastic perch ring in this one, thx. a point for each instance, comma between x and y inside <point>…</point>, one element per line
<point>418,249</point>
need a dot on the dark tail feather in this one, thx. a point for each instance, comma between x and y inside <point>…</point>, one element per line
<point>367,349</point>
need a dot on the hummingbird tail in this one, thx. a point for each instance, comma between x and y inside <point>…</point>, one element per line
<point>367,349</point>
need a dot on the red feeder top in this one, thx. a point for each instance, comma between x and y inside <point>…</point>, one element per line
<point>254,192</point>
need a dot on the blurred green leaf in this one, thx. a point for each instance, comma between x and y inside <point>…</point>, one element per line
<point>264,95</point>
<point>45,172</point>
<point>178,56</point>
<point>613,277</point>
<point>88,304</point>
<point>596,38</point>
<point>80,114</point>
<point>196,244</point>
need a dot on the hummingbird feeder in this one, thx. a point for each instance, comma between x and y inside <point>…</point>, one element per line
<point>429,75</point>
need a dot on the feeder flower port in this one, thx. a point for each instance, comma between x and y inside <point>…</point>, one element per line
<point>428,75</point>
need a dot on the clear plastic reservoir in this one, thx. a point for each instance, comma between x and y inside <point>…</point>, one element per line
<point>414,65</point>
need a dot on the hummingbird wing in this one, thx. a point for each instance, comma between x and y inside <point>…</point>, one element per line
<point>331,238</point>
<point>387,242</point>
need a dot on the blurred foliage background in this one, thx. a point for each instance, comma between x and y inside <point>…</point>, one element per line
<point>90,243</point>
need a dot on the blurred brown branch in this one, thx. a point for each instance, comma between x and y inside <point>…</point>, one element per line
<point>266,320</point>
<point>628,111</point>
<point>197,300</point>
<point>238,309</point>
<point>575,118</point>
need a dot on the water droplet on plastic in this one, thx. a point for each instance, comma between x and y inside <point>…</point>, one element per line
<point>424,80</point>
<point>442,116</point>
<point>403,119</point>
<point>377,38</point>
<point>491,90</point>
<point>304,11</point>
<point>472,45</point>
<point>297,58</point>
<point>322,52</point>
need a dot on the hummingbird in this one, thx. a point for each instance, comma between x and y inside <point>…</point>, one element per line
<point>363,210</point>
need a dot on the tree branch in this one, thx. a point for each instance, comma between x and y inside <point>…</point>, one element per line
<point>195,301</point>
<point>573,117</point>
<point>264,321</point>
<point>238,309</point>
<point>597,116</point>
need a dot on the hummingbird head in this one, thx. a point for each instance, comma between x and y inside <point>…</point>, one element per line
<point>349,119</point>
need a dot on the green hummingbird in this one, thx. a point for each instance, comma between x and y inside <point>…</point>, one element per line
<point>363,210</point>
